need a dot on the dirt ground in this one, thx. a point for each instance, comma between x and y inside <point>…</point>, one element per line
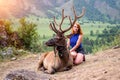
<point>104,65</point>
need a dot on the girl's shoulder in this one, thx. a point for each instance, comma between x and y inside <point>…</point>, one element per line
<point>72,35</point>
<point>76,34</point>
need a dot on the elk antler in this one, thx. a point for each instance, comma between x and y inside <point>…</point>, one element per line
<point>63,17</point>
<point>52,25</point>
<point>75,18</point>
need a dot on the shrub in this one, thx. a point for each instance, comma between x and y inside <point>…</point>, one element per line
<point>28,34</point>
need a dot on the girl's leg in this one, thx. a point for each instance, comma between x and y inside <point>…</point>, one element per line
<point>74,54</point>
<point>79,58</point>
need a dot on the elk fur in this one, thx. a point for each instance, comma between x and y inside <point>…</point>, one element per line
<point>59,59</point>
<point>51,63</point>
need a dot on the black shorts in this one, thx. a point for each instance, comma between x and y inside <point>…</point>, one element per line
<point>80,50</point>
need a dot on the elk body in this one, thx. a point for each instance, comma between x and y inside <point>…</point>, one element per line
<point>59,59</point>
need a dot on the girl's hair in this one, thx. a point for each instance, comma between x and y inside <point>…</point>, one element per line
<point>79,29</point>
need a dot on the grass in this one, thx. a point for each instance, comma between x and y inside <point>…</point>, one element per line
<point>45,32</point>
<point>43,29</point>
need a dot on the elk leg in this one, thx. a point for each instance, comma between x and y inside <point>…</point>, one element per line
<point>66,68</point>
<point>50,70</point>
<point>69,67</point>
<point>40,63</point>
<point>42,69</point>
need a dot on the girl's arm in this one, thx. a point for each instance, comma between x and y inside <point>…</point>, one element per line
<point>77,44</point>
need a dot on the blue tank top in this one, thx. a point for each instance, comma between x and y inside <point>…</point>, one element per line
<point>73,40</point>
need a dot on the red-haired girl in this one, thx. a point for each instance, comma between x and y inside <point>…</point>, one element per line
<point>75,42</point>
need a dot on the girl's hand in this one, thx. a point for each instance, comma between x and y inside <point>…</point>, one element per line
<point>71,50</point>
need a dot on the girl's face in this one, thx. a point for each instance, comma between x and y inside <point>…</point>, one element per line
<point>75,28</point>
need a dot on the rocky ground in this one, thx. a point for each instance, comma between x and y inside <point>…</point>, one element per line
<point>104,65</point>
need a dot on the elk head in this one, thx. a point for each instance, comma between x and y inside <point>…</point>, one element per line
<point>59,39</point>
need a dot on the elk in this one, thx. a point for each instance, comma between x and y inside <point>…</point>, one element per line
<point>59,59</point>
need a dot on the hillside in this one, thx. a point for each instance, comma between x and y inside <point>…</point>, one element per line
<point>104,65</point>
<point>20,8</point>
<point>101,10</point>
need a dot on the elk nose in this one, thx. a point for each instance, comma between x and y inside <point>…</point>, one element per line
<point>49,43</point>
<point>46,43</point>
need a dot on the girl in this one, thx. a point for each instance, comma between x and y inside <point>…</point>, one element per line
<point>75,42</point>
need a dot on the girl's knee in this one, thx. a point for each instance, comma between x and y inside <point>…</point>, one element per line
<point>73,54</point>
<point>78,59</point>
<point>77,62</point>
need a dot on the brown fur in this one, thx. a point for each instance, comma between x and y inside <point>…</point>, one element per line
<point>59,59</point>
<point>51,63</point>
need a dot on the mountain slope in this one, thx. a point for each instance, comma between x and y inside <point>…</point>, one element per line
<point>19,8</point>
<point>100,9</point>
<point>104,65</point>
<point>95,9</point>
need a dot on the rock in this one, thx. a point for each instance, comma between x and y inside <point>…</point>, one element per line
<point>105,72</point>
<point>9,51</point>
<point>14,58</point>
<point>117,46</point>
<point>26,75</point>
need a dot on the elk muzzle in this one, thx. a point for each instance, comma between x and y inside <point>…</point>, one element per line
<point>50,42</point>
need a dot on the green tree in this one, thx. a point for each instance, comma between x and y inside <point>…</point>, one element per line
<point>28,34</point>
<point>91,33</point>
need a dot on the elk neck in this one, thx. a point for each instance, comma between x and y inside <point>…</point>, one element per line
<point>62,52</point>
